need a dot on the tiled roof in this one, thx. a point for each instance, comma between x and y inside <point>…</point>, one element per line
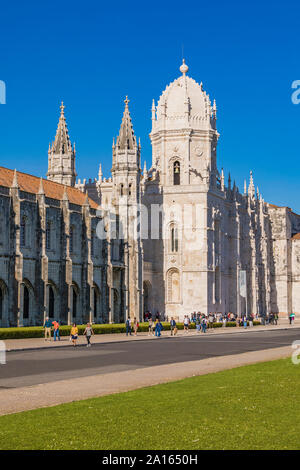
<point>296,236</point>
<point>31,184</point>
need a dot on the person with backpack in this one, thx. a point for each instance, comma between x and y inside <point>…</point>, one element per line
<point>88,332</point>
<point>128,326</point>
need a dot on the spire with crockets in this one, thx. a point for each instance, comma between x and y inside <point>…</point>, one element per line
<point>126,138</point>
<point>61,154</point>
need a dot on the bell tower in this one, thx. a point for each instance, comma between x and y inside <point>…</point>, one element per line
<point>126,199</point>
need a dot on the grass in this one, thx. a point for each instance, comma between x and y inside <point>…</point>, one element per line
<point>251,407</point>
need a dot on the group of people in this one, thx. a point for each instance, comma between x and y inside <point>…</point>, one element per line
<point>48,325</point>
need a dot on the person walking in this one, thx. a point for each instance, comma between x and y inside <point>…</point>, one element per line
<point>292,319</point>
<point>47,326</point>
<point>173,327</point>
<point>186,322</point>
<point>128,326</point>
<point>198,324</point>
<point>88,332</point>
<point>56,330</point>
<point>150,327</point>
<point>135,326</point>
<point>211,321</point>
<point>251,320</point>
<point>74,334</point>
<point>158,328</point>
<point>203,324</point>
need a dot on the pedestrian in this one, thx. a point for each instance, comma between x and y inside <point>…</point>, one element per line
<point>128,326</point>
<point>173,327</point>
<point>276,318</point>
<point>150,327</point>
<point>292,319</point>
<point>74,334</point>
<point>158,328</point>
<point>251,320</point>
<point>47,326</point>
<point>186,322</point>
<point>88,332</point>
<point>135,326</point>
<point>211,321</point>
<point>245,321</point>
<point>56,330</point>
<point>198,324</point>
<point>203,324</point>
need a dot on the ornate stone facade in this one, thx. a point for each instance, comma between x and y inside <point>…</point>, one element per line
<point>174,238</point>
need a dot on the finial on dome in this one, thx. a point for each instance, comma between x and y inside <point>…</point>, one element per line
<point>183,68</point>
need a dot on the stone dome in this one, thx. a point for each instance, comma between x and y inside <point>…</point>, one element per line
<point>184,103</point>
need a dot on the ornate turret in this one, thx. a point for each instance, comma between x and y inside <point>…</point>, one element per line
<point>61,155</point>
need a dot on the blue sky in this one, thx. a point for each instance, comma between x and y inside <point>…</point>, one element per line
<point>91,54</point>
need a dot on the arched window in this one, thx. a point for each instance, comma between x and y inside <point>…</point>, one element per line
<point>129,189</point>
<point>48,236</point>
<point>121,189</point>
<point>174,239</point>
<point>71,239</point>
<point>26,303</point>
<point>176,173</point>
<point>51,302</point>
<point>1,303</point>
<point>95,304</point>
<point>23,232</point>
<point>74,303</point>
<point>173,283</point>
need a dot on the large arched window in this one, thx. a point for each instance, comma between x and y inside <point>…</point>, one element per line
<point>174,239</point>
<point>1,303</point>
<point>48,236</point>
<point>176,173</point>
<point>74,303</point>
<point>71,239</point>
<point>121,189</point>
<point>51,302</point>
<point>173,283</point>
<point>23,232</point>
<point>26,303</point>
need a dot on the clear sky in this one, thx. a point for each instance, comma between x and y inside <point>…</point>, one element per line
<point>91,54</point>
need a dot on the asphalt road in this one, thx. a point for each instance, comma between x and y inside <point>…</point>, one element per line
<point>33,367</point>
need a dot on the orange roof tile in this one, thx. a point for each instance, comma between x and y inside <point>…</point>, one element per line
<point>31,184</point>
<point>296,236</point>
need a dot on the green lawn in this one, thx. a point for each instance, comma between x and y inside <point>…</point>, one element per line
<point>252,407</point>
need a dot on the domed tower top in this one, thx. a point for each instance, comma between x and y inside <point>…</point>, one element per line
<point>183,104</point>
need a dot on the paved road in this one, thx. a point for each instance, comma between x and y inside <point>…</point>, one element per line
<point>25,368</point>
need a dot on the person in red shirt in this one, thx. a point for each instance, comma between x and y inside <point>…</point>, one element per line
<point>56,330</point>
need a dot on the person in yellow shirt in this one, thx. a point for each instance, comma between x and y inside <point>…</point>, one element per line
<point>74,334</point>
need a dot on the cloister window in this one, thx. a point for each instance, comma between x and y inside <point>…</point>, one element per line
<point>176,173</point>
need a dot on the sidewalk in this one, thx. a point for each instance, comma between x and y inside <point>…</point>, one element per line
<point>14,400</point>
<point>40,343</point>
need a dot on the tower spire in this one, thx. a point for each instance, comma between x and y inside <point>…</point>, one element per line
<point>61,155</point>
<point>126,138</point>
